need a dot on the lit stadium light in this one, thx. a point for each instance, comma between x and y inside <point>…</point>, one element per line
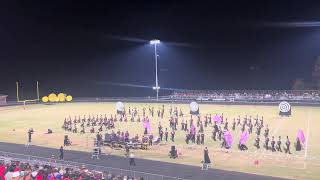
<point>155,41</point>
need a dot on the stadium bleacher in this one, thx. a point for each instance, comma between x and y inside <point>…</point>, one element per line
<point>248,95</point>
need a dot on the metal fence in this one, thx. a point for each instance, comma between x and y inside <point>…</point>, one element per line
<point>33,160</point>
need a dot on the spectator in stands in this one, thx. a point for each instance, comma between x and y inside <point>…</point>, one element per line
<point>9,173</point>
<point>2,170</point>
<point>16,175</point>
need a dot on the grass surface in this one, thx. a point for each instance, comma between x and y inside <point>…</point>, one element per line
<point>15,121</point>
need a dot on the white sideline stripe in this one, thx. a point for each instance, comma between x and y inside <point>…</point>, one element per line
<point>308,131</point>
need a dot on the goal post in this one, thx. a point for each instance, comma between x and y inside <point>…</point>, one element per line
<point>27,100</point>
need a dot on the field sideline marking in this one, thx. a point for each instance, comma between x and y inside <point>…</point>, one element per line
<point>308,132</point>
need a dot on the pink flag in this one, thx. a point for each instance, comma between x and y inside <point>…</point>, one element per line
<point>146,124</point>
<point>301,136</point>
<point>217,119</point>
<point>228,138</point>
<point>244,137</point>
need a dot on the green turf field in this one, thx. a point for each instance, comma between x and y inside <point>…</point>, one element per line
<point>15,122</point>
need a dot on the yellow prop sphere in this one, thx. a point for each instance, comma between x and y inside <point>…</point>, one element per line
<point>61,97</point>
<point>69,98</point>
<point>52,97</point>
<point>45,99</point>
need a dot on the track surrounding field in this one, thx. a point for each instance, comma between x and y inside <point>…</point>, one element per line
<point>148,166</point>
<point>15,121</point>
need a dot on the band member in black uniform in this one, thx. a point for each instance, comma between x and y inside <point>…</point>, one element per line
<point>242,147</point>
<point>256,121</point>
<point>82,131</point>
<point>206,156</point>
<point>206,122</point>
<point>238,121</point>
<point>258,130</point>
<point>92,130</point>
<point>176,124</point>
<point>201,127</point>
<point>298,145</point>
<point>181,113</point>
<point>143,112</point>
<point>159,127</point>
<point>172,135</point>
<point>272,144</point>
<point>161,135</point>
<point>75,130</point>
<point>261,122</point>
<point>287,150</point>
<point>198,138</point>
<point>215,131</point>
<point>279,144</point>
<point>145,131</point>
<point>257,142</point>
<point>250,127</point>
<point>234,124</point>
<point>99,139</point>
<point>166,135</point>
<point>193,137</point>
<point>226,124</point>
<point>182,125</point>
<point>243,127</point>
<point>266,143</point>
<point>187,137</point>
<point>220,133</point>
<point>30,132</point>
<point>162,111</point>
<point>202,138</point>
<point>224,143</point>
<point>151,140</point>
<point>266,131</point>
<point>186,126</point>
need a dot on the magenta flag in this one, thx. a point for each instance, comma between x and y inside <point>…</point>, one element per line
<point>244,137</point>
<point>301,136</point>
<point>146,124</point>
<point>228,138</point>
<point>217,119</point>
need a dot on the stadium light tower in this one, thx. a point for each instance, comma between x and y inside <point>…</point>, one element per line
<point>155,42</point>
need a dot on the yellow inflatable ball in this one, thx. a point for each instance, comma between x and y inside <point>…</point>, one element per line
<point>45,99</point>
<point>62,97</point>
<point>52,97</point>
<point>69,98</point>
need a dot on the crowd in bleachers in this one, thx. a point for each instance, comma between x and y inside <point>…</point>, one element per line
<point>15,170</point>
<point>248,94</point>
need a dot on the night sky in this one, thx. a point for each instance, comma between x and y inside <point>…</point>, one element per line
<point>101,48</point>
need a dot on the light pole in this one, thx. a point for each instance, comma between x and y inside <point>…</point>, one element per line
<point>155,42</point>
